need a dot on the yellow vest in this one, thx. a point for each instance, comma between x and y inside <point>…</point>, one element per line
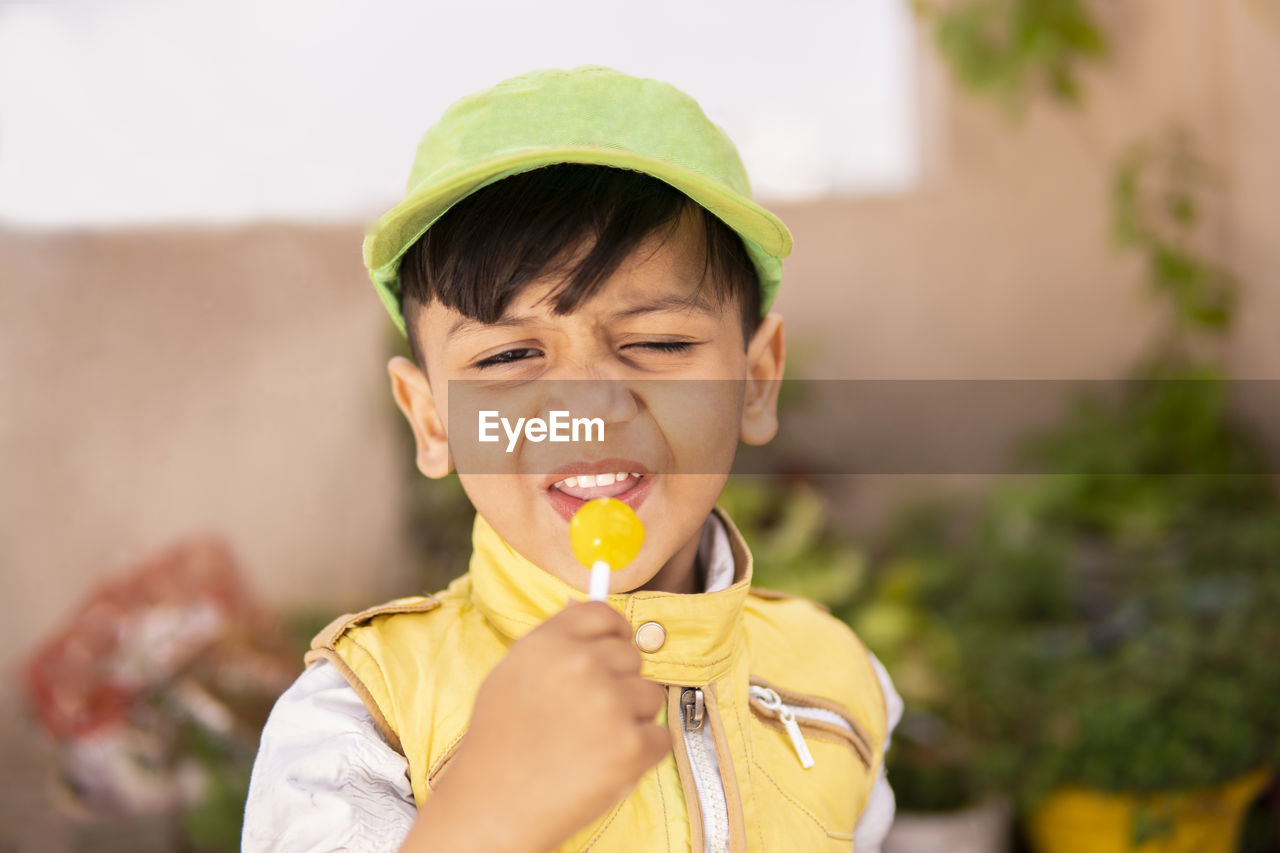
<point>728,658</point>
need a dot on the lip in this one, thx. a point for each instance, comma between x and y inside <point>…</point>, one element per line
<point>567,505</point>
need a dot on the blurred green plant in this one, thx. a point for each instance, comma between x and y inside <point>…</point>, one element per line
<point>1104,629</point>
<point>1160,188</point>
<point>1014,50</point>
<point>934,756</point>
<point>1111,630</point>
<point>794,547</point>
<point>213,825</point>
<point>440,519</point>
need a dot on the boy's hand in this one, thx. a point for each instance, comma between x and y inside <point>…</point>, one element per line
<point>561,730</point>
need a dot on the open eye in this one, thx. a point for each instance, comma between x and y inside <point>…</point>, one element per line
<point>506,357</point>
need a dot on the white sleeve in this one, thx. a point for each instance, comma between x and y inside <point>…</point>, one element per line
<point>874,822</point>
<point>325,779</point>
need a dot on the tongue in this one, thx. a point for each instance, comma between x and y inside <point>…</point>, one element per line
<point>610,491</point>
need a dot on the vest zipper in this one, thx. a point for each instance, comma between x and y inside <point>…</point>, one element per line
<point>770,699</point>
<point>792,714</point>
<point>699,743</point>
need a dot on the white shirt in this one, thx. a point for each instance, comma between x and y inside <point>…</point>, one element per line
<point>325,779</point>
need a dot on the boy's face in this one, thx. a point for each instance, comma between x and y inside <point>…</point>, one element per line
<point>637,327</point>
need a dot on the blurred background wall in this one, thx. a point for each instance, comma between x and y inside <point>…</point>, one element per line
<point>164,380</point>
<point>999,265</point>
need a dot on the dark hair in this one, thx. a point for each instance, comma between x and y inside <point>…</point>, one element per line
<point>488,246</point>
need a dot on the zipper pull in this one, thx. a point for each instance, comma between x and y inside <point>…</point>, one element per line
<point>770,699</point>
<point>797,740</point>
<point>691,703</point>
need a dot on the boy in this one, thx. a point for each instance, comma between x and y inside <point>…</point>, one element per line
<point>569,225</point>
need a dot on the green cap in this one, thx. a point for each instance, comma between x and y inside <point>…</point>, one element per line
<point>588,114</point>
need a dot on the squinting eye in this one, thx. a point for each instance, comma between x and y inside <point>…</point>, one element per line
<point>666,346</point>
<point>507,357</point>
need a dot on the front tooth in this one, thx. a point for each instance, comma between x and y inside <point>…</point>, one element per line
<point>586,481</point>
<point>604,479</point>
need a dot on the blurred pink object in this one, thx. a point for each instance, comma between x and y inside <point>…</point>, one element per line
<point>133,634</point>
<point>176,642</point>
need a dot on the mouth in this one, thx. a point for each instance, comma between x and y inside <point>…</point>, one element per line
<point>571,486</point>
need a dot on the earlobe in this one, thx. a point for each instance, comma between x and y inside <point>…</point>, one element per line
<point>766,360</point>
<point>412,393</point>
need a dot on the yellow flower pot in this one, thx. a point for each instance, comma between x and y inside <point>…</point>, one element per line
<point>1201,821</point>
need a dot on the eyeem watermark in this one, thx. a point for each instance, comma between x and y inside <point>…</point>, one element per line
<point>559,427</point>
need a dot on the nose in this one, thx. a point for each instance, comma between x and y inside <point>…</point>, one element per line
<point>612,400</point>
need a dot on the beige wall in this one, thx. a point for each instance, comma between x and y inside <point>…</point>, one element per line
<point>157,383</point>
<point>1251,144</point>
<point>999,265</point>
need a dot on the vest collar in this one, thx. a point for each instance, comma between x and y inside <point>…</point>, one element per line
<point>703,630</point>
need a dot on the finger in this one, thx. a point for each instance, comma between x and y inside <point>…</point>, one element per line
<point>657,743</point>
<point>587,619</point>
<point>644,698</point>
<point>620,656</point>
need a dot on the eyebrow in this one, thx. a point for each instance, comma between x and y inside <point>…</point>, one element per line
<point>667,303</point>
<point>464,325</point>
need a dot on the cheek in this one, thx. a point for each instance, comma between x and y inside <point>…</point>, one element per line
<point>700,421</point>
<point>482,421</point>
<point>511,506</point>
<point>689,496</point>
<point>494,496</point>
<point>677,515</point>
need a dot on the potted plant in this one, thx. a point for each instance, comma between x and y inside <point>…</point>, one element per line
<point>1120,627</point>
<point>1099,642</point>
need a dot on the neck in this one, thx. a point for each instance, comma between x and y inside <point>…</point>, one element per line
<point>680,573</point>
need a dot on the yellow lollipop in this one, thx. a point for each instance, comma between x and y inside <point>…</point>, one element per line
<point>606,535</point>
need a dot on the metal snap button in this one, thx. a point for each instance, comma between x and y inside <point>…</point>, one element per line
<point>650,636</point>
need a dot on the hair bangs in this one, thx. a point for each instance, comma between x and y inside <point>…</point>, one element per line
<point>573,221</point>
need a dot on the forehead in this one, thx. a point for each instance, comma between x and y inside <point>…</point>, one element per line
<point>663,273</point>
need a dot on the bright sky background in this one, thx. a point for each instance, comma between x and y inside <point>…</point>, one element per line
<point>116,112</point>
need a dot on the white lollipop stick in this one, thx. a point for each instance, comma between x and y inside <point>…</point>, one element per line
<point>599,589</point>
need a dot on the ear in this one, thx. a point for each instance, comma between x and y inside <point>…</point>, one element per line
<point>766,359</point>
<point>413,395</point>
